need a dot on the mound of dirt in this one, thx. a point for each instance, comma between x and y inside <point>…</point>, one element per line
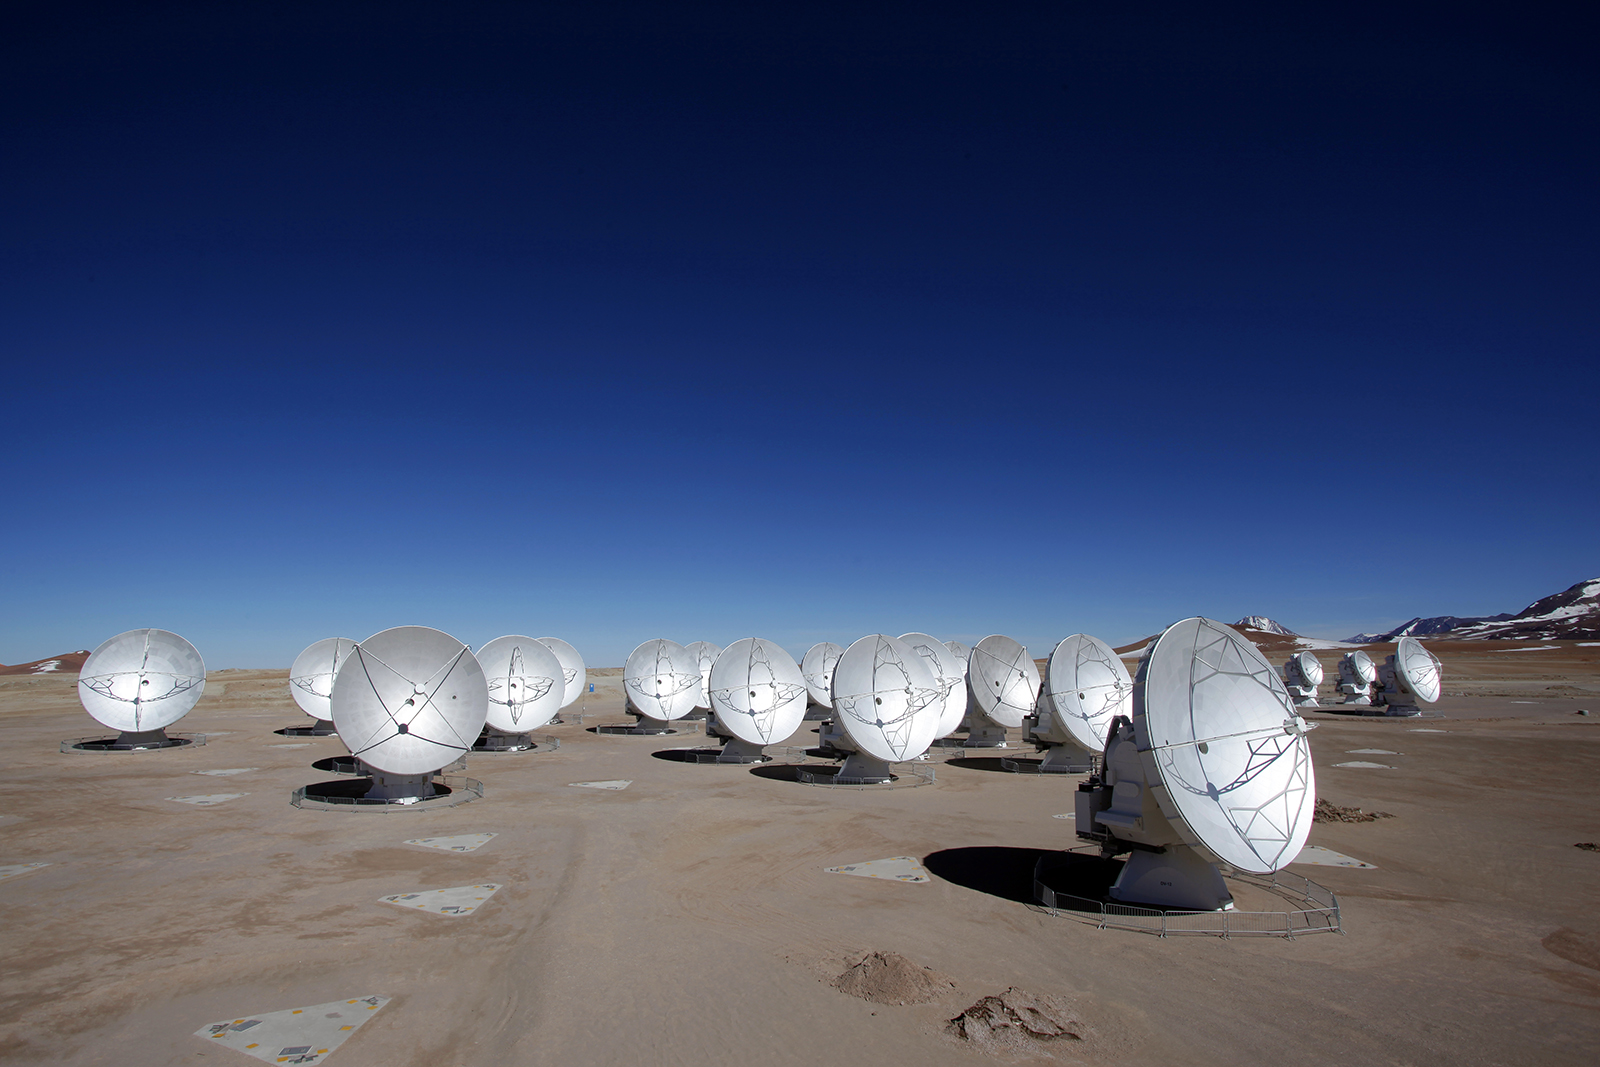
<point>1326,812</point>
<point>1588,846</point>
<point>890,978</point>
<point>1017,1021</point>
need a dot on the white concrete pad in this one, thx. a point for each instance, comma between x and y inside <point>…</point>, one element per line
<point>298,1036</point>
<point>1425,730</point>
<point>1066,815</point>
<point>225,771</point>
<point>206,800</point>
<point>895,868</point>
<point>1364,763</point>
<point>11,870</point>
<point>458,843</point>
<point>1371,752</point>
<point>293,744</point>
<point>619,783</point>
<point>1327,857</point>
<point>455,902</point>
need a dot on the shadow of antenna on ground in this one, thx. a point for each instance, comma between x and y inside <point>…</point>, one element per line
<point>1007,873</point>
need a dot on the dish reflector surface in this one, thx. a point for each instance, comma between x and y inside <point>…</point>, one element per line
<point>311,677</point>
<point>757,692</point>
<point>816,667</point>
<point>962,653</point>
<point>1361,665</point>
<point>572,670</point>
<point>951,675</point>
<point>1310,668</point>
<point>1003,679</point>
<point>705,654</point>
<point>1418,667</point>
<point>141,680</point>
<point>663,679</point>
<point>887,699</point>
<point>525,683</point>
<point>1224,750</point>
<point>410,700</point>
<point>1088,687</point>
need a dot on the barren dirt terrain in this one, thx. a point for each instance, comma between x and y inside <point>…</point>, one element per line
<point>688,919</point>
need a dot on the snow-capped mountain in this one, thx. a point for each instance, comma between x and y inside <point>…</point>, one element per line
<point>1265,625</point>
<point>1572,614</point>
<point>66,663</point>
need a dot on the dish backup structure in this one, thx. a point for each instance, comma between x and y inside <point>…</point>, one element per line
<point>526,686</point>
<point>407,702</point>
<point>1301,676</point>
<point>139,683</point>
<point>1357,672</point>
<point>816,667</point>
<point>886,705</point>
<point>1213,767</point>
<point>1003,683</point>
<point>1085,687</point>
<point>311,684</point>
<point>1408,679</point>
<point>758,698</point>
<point>662,681</point>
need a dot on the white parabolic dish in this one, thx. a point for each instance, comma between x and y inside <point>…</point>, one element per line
<point>1362,667</point>
<point>1223,748</point>
<point>573,672</point>
<point>141,680</point>
<point>1419,669</point>
<point>525,683</point>
<point>1088,687</point>
<point>705,654</point>
<point>816,667</point>
<point>887,699</point>
<point>662,679</point>
<point>951,675</point>
<point>1003,679</point>
<point>1310,668</point>
<point>410,700</point>
<point>962,653</point>
<point>757,692</point>
<point>311,677</point>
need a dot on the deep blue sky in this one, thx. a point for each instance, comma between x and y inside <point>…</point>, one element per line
<point>616,321</point>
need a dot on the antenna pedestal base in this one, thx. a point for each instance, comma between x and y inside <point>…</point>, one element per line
<point>1400,711</point>
<point>737,751</point>
<point>861,769</point>
<point>817,713</point>
<point>492,740</point>
<point>831,737</point>
<point>1065,759</point>
<point>132,741</point>
<point>1352,695</point>
<point>1176,877</point>
<point>399,788</point>
<point>318,728</point>
<point>1304,696</point>
<point>643,725</point>
<point>986,734</point>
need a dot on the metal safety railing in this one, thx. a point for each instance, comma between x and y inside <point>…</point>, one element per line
<point>921,774</point>
<point>1314,909</point>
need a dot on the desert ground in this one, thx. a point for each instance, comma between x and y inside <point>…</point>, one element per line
<point>689,918</point>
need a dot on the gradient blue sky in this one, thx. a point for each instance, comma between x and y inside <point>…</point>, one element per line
<point>616,321</point>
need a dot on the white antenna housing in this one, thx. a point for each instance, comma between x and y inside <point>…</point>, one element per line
<point>705,654</point>
<point>573,672</point>
<point>1085,687</point>
<point>887,702</point>
<point>1214,767</point>
<point>1409,678</point>
<point>139,683</point>
<point>758,698</point>
<point>816,667</point>
<point>951,674</point>
<point>1301,675</point>
<point>1357,672</point>
<point>311,682</point>
<point>662,680</point>
<point>526,687</point>
<point>1003,682</point>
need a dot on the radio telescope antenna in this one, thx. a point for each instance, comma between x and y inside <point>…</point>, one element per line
<point>950,672</point>
<point>662,681</point>
<point>311,684</point>
<point>816,667</point>
<point>705,654</point>
<point>1357,672</point>
<point>526,687</point>
<point>1301,675</point>
<point>1409,678</point>
<point>408,702</point>
<point>1086,686</point>
<point>961,652</point>
<point>573,672</point>
<point>758,698</point>
<point>1214,767</point>
<point>139,683</point>
<point>1004,684</point>
<point>888,704</point>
